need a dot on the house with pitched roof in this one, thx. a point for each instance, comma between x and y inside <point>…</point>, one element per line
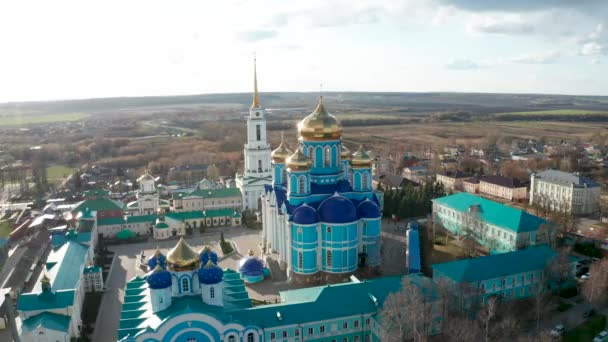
<point>496,226</point>
<point>509,276</point>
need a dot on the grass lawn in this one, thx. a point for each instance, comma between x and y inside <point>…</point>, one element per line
<point>587,330</point>
<point>5,229</point>
<point>58,172</point>
<point>16,120</point>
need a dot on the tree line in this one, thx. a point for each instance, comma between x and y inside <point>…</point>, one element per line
<point>410,201</point>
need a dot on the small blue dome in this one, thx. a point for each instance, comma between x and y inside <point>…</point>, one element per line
<point>157,258</point>
<point>158,278</point>
<point>252,267</point>
<point>207,254</point>
<point>305,214</point>
<point>210,274</point>
<point>337,209</point>
<point>368,209</point>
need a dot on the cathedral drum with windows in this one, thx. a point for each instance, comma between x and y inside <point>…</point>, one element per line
<point>320,214</point>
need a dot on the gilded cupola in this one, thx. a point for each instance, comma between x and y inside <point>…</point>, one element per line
<point>281,153</point>
<point>360,158</point>
<point>298,161</point>
<point>320,125</point>
<point>183,257</point>
<point>344,152</point>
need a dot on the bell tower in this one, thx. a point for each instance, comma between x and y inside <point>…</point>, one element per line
<point>256,168</point>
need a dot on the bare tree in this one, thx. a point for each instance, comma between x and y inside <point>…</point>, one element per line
<point>407,313</point>
<point>595,289</point>
<point>460,329</point>
<point>542,296</point>
<point>473,230</point>
<point>487,314</point>
<point>560,268</point>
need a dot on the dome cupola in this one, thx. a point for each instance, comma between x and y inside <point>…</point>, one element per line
<point>158,278</point>
<point>361,159</point>
<point>210,274</point>
<point>344,152</point>
<point>182,257</point>
<point>157,258</point>
<point>207,254</point>
<point>337,209</point>
<point>298,161</point>
<point>281,153</point>
<point>320,125</point>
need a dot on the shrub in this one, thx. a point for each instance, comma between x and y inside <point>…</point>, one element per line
<point>588,250</point>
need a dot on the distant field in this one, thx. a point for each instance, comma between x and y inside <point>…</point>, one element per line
<point>558,112</point>
<point>58,173</point>
<point>16,120</point>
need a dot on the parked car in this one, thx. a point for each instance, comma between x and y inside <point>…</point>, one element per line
<point>601,337</point>
<point>585,276</point>
<point>558,330</point>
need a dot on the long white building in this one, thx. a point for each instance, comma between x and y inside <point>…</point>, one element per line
<point>562,191</point>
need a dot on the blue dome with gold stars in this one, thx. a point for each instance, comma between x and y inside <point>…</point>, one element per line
<point>157,258</point>
<point>159,278</point>
<point>207,254</point>
<point>210,274</point>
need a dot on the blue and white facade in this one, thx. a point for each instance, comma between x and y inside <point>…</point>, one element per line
<point>320,214</point>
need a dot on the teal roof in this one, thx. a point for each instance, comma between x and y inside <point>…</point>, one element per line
<point>209,193</point>
<point>108,221</point>
<point>97,204</point>
<point>299,306</point>
<point>185,215</point>
<point>46,300</point>
<point>96,193</point>
<point>63,265</point>
<point>142,218</point>
<point>161,225</point>
<point>92,269</point>
<point>496,265</point>
<point>47,320</point>
<point>59,239</point>
<point>515,220</point>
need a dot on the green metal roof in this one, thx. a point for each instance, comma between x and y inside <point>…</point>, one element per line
<point>96,193</point>
<point>125,234</point>
<point>82,237</point>
<point>515,220</point>
<point>209,193</point>
<point>497,265</point>
<point>47,320</point>
<point>97,204</point>
<point>109,221</point>
<point>161,225</point>
<point>142,218</point>
<point>63,266</point>
<point>46,300</point>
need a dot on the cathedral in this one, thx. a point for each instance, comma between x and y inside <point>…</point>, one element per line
<point>320,214</point>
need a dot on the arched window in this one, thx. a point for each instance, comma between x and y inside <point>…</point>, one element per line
<point>327,156</point>
<point>212,292</point>
<point>311,154</point>
<point>250,337</point>
<point>185,285</point>
<point>284,175</point>
<point>260,165</point>
<point>302,185</point>
<point>364,181</point>
<point>231,338</point>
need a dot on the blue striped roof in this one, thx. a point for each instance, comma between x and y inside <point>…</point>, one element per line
<point>515,220</point>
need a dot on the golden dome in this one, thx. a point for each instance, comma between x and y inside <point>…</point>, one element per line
<point>360,158</point>
<point>344,152</point>
<point>298,161</point>
<point>182,257</point>
<point>281,153</point>
<point>320,125</point>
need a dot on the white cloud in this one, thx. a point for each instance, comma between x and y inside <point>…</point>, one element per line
<point>547,57</point>
<point>500,24</point>
<point>256,35</point>
<point>465,64</point>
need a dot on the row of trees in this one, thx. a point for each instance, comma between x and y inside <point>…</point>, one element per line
<point>412,201</point>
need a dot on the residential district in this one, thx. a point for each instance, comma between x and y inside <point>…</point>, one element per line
<point>313,241</point>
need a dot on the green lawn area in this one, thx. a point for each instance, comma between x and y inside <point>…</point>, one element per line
<point>587,330</point>
<point>59,172</point>
<point>559,112</point>
<point>5,229</point>
<point>16,120</point>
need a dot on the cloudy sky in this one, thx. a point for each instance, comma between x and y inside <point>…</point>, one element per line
<point>79,49</point>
